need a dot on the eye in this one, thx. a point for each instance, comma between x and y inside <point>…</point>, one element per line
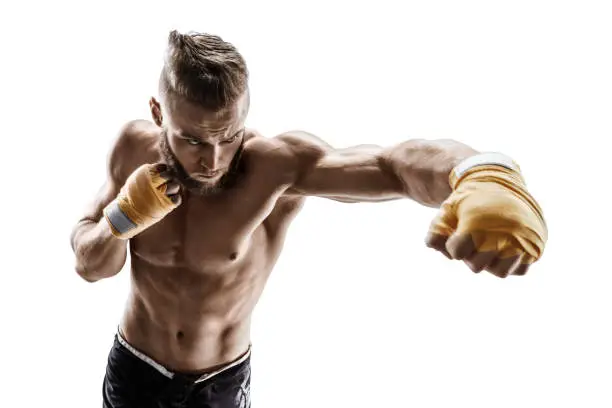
<point>231,139</point>
<point>193,142</point>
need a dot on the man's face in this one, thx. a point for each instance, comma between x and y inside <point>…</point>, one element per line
<point>201,147</point>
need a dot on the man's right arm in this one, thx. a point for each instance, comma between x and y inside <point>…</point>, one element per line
<point>136,195</point>
<point>98,253</point>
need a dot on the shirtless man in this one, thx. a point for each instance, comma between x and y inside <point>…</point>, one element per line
<point>205,204</point>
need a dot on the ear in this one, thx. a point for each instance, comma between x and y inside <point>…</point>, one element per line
<point>155,111</point>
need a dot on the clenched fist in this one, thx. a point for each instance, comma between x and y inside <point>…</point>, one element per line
<point>147,196</point>
<point>490,220</point>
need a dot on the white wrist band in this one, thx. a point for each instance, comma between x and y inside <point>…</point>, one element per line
<point>493,158</point>
<point>117,219</point>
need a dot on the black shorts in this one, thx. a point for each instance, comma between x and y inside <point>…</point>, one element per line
<point>134,380</point>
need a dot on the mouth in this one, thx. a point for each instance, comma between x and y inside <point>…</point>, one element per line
<point>206,176</point>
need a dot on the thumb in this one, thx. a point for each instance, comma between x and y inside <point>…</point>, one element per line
<point>441,228</point>
<point>445,222</point>
<point>460,245</point>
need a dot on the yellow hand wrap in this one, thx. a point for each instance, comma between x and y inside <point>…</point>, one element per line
<point>141,203</point>
<point>491,203</point>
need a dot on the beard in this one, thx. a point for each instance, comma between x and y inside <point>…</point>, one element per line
<point>196,187</point>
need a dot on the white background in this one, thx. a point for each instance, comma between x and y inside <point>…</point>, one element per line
<point>357,312</point>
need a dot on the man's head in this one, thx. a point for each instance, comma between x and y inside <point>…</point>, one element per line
<point>204,101</point>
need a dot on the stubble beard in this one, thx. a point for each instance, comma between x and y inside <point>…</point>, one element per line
<point>197,187</point>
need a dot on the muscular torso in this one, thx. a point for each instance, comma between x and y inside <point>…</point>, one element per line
<point>198,273</point>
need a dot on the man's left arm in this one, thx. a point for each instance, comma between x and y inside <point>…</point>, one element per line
<point>487,217</point>
<point>417,169</point>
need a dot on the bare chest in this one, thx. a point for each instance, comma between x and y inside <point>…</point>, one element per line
<point>212,236</point>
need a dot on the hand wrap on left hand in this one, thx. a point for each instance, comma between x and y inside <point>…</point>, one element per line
<point>491,205</point>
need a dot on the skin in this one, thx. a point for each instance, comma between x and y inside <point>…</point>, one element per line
<point>197,274</point>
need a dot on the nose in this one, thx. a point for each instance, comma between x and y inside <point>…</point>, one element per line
<point>210,157</point>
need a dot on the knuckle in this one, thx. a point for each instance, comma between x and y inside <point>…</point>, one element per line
<point>477,268</point>
<point>473,268</point>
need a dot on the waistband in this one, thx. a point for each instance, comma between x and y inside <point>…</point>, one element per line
<point>170,374</point>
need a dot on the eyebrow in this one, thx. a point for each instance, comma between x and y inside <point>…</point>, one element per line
<point>236,133</point>
<point>189,136</point>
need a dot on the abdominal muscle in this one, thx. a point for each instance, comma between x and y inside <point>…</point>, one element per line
<point>188,321</point>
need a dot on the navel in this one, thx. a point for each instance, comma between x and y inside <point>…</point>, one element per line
<point>233,256</point>
<point>180,335</point>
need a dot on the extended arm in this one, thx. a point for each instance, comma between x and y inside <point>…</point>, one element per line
<point>417,169</point>
<point>487,218</point>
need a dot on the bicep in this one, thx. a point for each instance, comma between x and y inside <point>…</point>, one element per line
<point>350,168</point>
<point>355,174</point>
<point>116,172</point>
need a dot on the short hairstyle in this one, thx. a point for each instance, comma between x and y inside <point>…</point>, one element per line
<point>203,69</point>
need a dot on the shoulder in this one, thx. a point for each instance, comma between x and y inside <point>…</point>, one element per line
<point>134,144</point>
<point>292,149</point>
<point>303,144</point>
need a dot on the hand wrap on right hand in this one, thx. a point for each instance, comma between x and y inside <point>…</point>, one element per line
<point>141,203</point>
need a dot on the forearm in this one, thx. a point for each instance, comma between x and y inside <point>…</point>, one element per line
<point>424,166</point>
<point>99,254</point>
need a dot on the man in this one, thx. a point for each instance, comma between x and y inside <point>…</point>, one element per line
<point>205,205</point>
